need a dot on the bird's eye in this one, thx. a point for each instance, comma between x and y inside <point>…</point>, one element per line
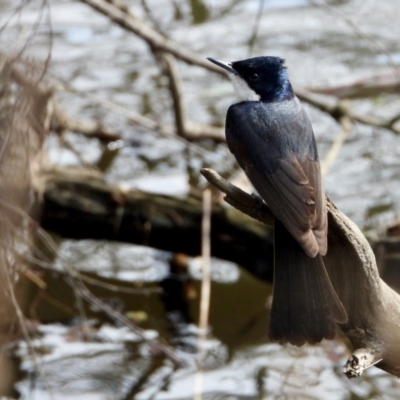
<point>253,77</point>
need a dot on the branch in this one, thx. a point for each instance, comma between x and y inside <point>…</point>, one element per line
<point>61,122</point>
<point>193,131</point>
<point>107,212</point>
<point>338,109</point>
<point>251,205</point>
<point>372,307</point>
<point>48,112</point>
<point>384,82</point>
<point>337,144</point>
<point>127,20</point>
<point>175,86</point>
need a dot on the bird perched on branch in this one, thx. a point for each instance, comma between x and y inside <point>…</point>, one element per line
<point>272,139</point>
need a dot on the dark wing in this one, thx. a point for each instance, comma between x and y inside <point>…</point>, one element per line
<point>274,144</point>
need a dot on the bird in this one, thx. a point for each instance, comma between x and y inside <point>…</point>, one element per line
<point>270,135</point>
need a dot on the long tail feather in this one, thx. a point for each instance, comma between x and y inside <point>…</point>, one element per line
<point>305,305</point>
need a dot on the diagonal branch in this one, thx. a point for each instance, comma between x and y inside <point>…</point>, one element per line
<point>130,22</point>
<point>372,307</point>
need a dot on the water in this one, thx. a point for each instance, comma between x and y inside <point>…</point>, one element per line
<point>324,45</point>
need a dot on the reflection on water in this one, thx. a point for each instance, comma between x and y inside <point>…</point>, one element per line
<point>112,364</point>
<point>99,58</point>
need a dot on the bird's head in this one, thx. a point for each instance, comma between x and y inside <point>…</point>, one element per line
<point>259,78</point>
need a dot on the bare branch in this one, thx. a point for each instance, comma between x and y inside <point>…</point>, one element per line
<point>333,152</point>
<point>193,131</point>
<point>359,361</point>
<point>108,212</point>
<point>61,122</point>
<point>372,307</point>
<point>339,108</point>
<point>175,85</point>
<point>133,24</point>
<point>384,82</point>
<point>125,321</point>
<point>125,18</point>
<point>248,204</point>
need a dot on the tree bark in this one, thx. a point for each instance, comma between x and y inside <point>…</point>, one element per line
<point>81,205</point>
<point>373,308</point>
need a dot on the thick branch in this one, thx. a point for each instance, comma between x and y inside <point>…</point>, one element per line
<point>372,307</point>
<point>84,206</point>
<point>79,204</point>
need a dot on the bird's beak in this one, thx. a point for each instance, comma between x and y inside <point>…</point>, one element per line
<point>226,65</point>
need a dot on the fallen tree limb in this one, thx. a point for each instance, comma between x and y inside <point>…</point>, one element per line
<point>373,307</point>
<point>81,205</point>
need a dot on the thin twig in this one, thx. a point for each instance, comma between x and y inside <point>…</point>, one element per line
<point>379,48</point>
<point>116,316</point>
<point>387,81</point>
<point>205,290</point>
<point>256,26</point>
<point>152,37</point>
<point>175,85</point>
<point>193,131</point>
<point>61,121</point>
<point>248,204</point>
<point>205,254</point>
<point>340,108</point>
<point>337,144</point>
<point>157,42</point>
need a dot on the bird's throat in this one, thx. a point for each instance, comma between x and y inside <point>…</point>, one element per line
<point>242,89</point>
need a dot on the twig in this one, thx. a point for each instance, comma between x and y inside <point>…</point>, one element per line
<point>62,122</point>
<point>333,152</point>
<point>67,144</point>
<point>43,295</point>
<point>33,277</point>
<point>69,271</point>
<point>256,26</point>
<point>152,37</point>
<point>394,119</point>
<point>157,41</point>
<point>193,130</point>
<point>384,82</point>
<point>356,28</point>
<point>205,290</point>
<point>205,253</point>
<point>175,85</point>
<point>43,93</point>
<point>249,204</point>
<point>156,24</point>
<point>359,361</point>
<point>339,108</point>
<point>116,316</point>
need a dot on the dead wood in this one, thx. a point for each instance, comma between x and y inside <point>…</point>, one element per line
<point>373,308</point>
<point>79,205</point>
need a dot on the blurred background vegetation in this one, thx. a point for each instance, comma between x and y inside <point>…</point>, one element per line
<point>108,111</point>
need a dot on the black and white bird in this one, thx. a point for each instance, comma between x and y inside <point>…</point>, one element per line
<point>270,135</point>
